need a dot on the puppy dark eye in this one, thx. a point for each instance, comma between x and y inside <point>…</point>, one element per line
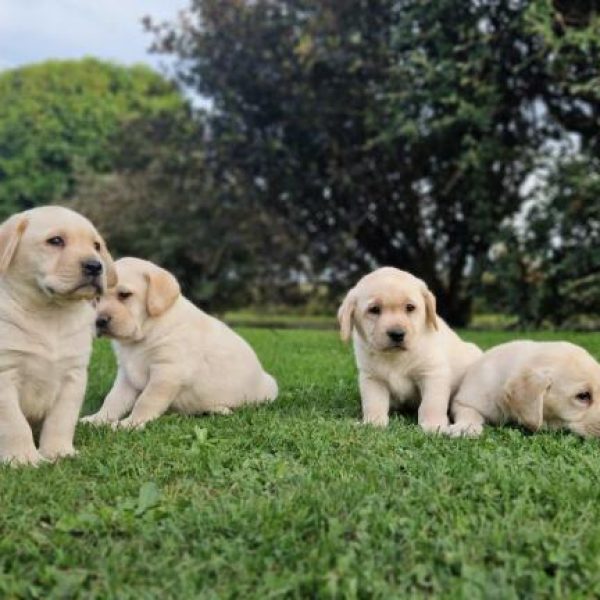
<point>97,246</point>
<point>56,241</point>
<point>584,397</point>
<point>410,308</point>
<point>374,310</point>
<point>123,295</point>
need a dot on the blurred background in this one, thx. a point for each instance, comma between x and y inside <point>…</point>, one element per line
<point>269,153</point>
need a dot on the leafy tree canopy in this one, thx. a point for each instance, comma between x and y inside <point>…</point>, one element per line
<point>57,117</point>
<point>385,131</point>
<point>163,201</point>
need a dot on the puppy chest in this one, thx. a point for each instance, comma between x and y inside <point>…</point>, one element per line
<point>37,397</point>
<point>404,390</point>
<point>137,372</point>
<point>39,384</point>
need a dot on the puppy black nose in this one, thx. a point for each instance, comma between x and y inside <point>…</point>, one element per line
<point>102,322</point>
<point>91,267</point>
<point>396,335</point>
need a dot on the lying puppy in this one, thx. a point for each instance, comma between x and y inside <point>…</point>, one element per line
<point>171,355</point>
<point>405,353</point>
<point>534,383</point>
<point>52,263</point>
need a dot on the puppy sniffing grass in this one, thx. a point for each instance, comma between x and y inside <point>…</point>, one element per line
<point>405,353</point>
<point>556,384</point>
<point>52,263</point>
<point>171,355</point>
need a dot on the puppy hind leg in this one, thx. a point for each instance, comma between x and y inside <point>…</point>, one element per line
<point>261,391</point>
<point>269,388</point>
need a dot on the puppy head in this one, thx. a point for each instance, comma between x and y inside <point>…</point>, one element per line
<point>143,293</point>
<point>389,308</point>
<point>561,389</point>
<point>55,252</point>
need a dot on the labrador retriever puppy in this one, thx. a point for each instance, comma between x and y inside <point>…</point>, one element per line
<point>53,263</point>
<point>170,354</point>
<point>405,353</point>
<point>556,384</point>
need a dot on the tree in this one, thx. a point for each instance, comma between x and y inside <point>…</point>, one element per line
<point>57,117</point>
<point>548,270</point>
<point>385,132</point>
<point>164,201</point>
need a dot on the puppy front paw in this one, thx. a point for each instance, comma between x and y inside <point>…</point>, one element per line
<point>128,423</point>
<point>53,453</point>
<point>435,426</point>
<point>221,410</point>
<point>376,420</point>
<point>464,430</point>
<point>23,458</point>
<point>97,420</point>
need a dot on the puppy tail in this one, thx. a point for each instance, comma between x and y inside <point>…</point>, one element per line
<point>269,388</point>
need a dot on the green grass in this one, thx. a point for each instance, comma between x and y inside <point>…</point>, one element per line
<point>253,318</point>
<point>295,500</point>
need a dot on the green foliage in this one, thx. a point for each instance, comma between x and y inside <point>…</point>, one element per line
<point>387,132</point>
<point>294,499</point>
<point>550,271</point>
<point>165,201</point>
<point>57,117</point>
<point>571,32</point>
<point>339,136</point>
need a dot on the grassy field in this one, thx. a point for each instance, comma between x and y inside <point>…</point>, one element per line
<point>295,500</point>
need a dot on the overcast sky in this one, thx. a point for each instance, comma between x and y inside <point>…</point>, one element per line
<point>37,30</point>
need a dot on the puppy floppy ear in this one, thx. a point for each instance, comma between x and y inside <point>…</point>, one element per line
<point>346,315</point>
<point>524,396</point>
<point>109,265</point>
<point>163,290</point>
<point>430,309</point>
<point>11,232</point>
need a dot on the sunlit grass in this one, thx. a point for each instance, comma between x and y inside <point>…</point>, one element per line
<point>294,499</point>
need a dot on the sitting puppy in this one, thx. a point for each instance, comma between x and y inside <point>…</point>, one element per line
<point>534,383</point>
<point>405,353</point>
<point>170,354</point>
<point>52,264</point>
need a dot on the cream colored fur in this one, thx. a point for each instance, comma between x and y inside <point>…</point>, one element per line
<point>423,369</point>
<point>46,329</point>
<point>556,384</point>
<point>171,354</point>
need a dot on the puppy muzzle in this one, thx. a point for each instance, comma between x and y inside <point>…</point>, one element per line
<point>396,339</point>
<point>90,286</point>
<point>87,289</point>
<point>103,325</point>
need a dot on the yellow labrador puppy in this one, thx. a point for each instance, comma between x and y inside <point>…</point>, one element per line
<point>171,355</point>
<point>405,353</point>
<point>52,263</point>
<point>534,383</point>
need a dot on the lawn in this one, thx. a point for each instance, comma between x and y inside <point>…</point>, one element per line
<point>295,500</point>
